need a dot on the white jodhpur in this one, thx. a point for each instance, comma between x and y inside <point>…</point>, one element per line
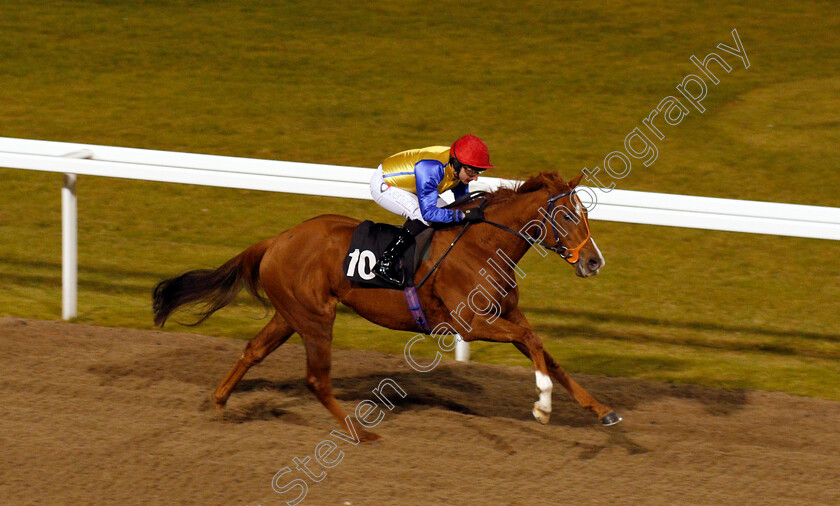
<point>396,200</point>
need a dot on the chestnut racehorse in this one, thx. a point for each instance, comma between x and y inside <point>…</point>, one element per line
<point>300,272</point>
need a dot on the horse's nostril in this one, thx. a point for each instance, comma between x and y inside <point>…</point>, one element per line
<point>594,263</point>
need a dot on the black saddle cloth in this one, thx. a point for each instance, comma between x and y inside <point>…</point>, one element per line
<point>369,241</point>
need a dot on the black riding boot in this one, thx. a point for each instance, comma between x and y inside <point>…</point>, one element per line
<point>388,266</point>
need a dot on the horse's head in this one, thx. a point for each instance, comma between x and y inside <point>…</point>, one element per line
<point>562,225</point>
<point>571,233</point>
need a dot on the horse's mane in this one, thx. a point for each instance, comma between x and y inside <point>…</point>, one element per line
<point>544,180</point>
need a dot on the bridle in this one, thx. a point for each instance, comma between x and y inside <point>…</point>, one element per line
<point>571,255</point>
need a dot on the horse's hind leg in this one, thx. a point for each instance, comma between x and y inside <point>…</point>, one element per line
<point>269,339</point>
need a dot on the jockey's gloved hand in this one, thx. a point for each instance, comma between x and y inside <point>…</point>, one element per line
<point>473,215</point>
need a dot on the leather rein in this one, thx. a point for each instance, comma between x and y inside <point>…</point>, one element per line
<point>571,255</point>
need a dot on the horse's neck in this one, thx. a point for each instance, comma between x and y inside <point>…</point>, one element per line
<point>514,214</point>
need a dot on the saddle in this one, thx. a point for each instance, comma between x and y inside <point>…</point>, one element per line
<point>370,240</point>
<point>366,246</point>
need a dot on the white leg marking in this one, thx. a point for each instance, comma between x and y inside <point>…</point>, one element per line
<point>544,385</point>
<point>542,408</point>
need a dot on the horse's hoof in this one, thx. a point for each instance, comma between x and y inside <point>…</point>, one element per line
<point>369,437</point>
<point>541,415</point>
<point>610,418</point>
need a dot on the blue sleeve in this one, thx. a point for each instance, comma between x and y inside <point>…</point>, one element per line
<point>428,175</point>
<point>460,190</point>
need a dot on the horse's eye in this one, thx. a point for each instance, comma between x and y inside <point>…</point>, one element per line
<point>567,217</point>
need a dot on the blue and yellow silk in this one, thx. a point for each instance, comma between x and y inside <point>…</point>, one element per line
<point>398,170</point>
<point>425,172</point>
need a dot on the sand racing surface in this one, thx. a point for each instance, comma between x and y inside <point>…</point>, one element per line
<point>94,415</point>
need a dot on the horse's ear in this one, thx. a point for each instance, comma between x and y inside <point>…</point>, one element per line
<point>574,182</point>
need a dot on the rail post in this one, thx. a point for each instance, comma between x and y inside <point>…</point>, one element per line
<point>70,242</point>
<point>462,350</point>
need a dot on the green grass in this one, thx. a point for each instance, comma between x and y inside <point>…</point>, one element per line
<point>548,85</point>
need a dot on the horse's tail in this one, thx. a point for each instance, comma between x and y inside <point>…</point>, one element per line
<point>216,289</point>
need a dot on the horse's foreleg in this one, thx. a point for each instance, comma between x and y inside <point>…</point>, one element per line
<point>577,392</point>
<point>269,339</point>
<point>503,330</point>
<point>318,361</point>
<point>605,414</point>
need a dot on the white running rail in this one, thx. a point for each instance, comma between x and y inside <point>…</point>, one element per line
<point>625,206</point>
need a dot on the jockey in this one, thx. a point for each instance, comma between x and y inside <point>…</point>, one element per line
<point>410,183</point>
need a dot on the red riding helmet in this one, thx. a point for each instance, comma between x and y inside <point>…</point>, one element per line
<point>472,152</point>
